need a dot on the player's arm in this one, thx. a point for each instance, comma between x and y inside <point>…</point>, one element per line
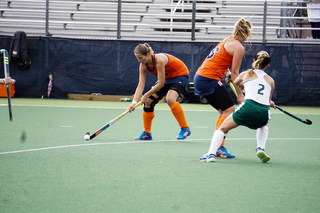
<point>271,82</point>
<point>140,86</point>
<point>236,63</point>
<point>161,61</point>
<point>238,82</point>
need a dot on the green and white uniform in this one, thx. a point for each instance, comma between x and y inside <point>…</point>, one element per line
<point>254,112</point>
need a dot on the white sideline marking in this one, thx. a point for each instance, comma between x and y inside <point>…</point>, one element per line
<point>66,126</point>
<point>133,142</point>
<point>186,110</point>
<point>201,127</point>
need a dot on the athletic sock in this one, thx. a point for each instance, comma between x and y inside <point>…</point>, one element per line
<point>262,136</point>
<point>216,141</point>
<point>178,113</point>
<point>147,118</point>
<point>218,124</point>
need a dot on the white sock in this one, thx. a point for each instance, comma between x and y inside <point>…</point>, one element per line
<point>262,135</point>
<point>216,141</point>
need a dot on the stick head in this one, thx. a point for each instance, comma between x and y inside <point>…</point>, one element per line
<point>308,122</point>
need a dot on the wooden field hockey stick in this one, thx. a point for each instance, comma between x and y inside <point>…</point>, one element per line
<point>111,122</point>
<point>307,121</point>
<point>7,74</point>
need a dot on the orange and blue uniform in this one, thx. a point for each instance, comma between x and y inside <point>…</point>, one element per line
<point>174,68</point>
<point>207,80</point>
<point>217,62</point>
<point>209,75</point>
<point>177,79</point>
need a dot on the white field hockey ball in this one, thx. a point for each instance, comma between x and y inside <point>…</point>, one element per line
<point>87,137</point>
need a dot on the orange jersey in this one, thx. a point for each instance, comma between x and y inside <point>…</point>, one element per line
<point>217,62</point>
<point>175,67</point>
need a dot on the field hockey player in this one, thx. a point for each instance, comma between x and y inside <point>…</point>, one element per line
<point>254,112</point>
<point>207,80</point>
<point>173,78</point>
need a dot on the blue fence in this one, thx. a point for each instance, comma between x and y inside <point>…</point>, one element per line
<point>109,67</point>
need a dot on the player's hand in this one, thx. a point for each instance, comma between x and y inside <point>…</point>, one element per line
<point>272,104</point>
<point>144,99</point>
<point>131,107</point>
<point>8,80</point>
<point>240,98</point>
<point>228,77</point>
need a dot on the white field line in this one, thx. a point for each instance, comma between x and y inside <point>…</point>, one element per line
<point>138,142</point>
<point>91,107</point>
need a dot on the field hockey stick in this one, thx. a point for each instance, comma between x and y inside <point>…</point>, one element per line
<point>233,89</point>
<point>307,121</point>
<point>7,74</point>
<point>111,122</point>
<point>232,86</point>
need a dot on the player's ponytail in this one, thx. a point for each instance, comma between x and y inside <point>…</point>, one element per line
<point>143,49</point>
<point>261,60</point>
<point>242,29</point>
<point>150,49</point>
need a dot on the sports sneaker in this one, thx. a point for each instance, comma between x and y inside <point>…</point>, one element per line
<point>204,157</point>
<point>262,155</point>
<point>208,158</point>
<point>223,153</point>
<point>211,158</point>
<point>184,133</point>
<point>144,136</point>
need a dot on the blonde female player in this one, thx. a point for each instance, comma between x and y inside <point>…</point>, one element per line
<point>207,80</point>
<point>254,112</point>
<point>173,77</point>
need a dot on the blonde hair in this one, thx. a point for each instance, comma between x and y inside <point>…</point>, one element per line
<point>242,29</point>
<point>143,49</point>
<point>262,59</point>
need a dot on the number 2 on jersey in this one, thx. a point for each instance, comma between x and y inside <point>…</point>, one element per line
<point>261,89</point>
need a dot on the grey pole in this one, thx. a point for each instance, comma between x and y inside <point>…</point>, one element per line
<point>193,20</point>
<point>119,20</point>
<point>47,18</point>
<point>283,22</point>
<point>264,21</point>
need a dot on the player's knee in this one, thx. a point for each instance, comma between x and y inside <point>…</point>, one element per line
<point>265,128</point>
<point>148,109</point>
<point>223,129</point>
<point>170,100</point>
<point>150,106</point>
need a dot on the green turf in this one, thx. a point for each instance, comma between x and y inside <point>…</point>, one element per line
<point>46,166</point>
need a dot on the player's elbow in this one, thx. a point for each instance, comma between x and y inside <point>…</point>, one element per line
<point>161,84</point>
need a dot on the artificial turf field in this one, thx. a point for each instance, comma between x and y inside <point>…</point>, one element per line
<point>46,166</point>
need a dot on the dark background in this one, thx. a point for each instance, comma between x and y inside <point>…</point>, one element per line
<point>109,67</point>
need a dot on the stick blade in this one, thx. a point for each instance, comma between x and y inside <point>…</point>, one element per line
<point>92,136</point>
<point>308,122</point>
